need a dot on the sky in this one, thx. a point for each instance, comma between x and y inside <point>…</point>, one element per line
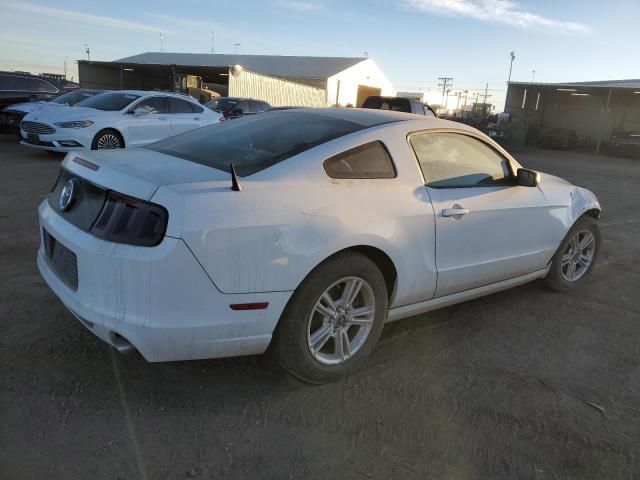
<point>413,41</point>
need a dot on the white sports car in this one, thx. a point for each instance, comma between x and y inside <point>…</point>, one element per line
<point>302,229</point>
<point>120,119</point>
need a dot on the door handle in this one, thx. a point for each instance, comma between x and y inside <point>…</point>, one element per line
<point>454,211</point>
<point>196,118</point>
<point>162,118</point>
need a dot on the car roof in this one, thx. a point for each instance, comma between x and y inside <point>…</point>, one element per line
<point>145,93</point>
<point>369,117</point>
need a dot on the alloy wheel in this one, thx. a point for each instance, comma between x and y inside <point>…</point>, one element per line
<point>341,320</point>
<point>108,141</point>
<point>578,255</point>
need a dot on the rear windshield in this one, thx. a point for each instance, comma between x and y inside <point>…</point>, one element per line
<point>71,98</point>
<point>255,142</point>
<point>382,103</point>
<point>109,102</point>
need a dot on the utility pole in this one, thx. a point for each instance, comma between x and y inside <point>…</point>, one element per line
<point>533,75</point>
<point>236,45</point>
<point>466,94</point>
<point>212,49</point>
<point>486,94</point>
<point>161,45</point>
<point>446,82</point>
<point>88,52</point>
<point>65,68</point>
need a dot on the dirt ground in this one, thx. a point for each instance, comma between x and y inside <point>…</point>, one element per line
<point>524,384</point>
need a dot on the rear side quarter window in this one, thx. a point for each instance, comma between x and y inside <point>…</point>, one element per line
<point>371,160</point>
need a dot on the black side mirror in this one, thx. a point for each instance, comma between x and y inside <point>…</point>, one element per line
<point>528,178</point>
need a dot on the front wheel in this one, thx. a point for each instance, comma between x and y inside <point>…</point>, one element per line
<point>333,319</point>
<point>107,140</point>
<point>575,258</point>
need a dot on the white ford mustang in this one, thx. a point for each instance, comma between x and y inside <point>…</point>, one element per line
<point>303,229</point>
<point>120,119</point>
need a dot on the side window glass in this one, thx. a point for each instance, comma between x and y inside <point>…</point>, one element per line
<point>366,161</point>
<point>153,105</point>
<point>254,107</point>
<point>242,106</point>
<point>179,106</point>
<point>38,85</point>
<point>451,160</point>
<point>196,108</point>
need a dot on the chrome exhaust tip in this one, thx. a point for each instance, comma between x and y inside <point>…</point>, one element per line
<point>121,344</point>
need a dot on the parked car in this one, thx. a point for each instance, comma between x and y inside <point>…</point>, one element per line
<point>119,119</point>
<point>306,229</point>
<point>234,107</point>
<point>11,117</point>
<point>398,104</point>
<point>18,87</point>
<point>561,138</point>
<point>624,143</point>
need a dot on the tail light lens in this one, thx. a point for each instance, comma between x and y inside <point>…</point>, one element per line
<point>130,220</point>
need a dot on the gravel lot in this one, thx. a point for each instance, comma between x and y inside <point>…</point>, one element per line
<point>525,383</point>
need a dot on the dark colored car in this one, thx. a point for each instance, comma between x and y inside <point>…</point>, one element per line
<point>18,87</point>
<point>624,143</point>
<point>398,104</point>
<point>11,116</point>
<point>234,107</point>
<point>562,138</point>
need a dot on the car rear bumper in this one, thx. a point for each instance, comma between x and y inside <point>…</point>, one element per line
<point>156,300</point>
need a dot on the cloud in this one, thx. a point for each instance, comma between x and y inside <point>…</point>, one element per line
<point>300,6</point>
<point>71,16</point>
<point>495,11</point>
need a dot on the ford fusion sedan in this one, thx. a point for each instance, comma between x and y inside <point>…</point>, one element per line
<point>121,119</point>
<point>304,230</point>
<point>12,116</point>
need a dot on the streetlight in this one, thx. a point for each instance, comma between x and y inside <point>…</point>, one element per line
<point>236,45</point>
<point>513,57</point>
<point>87,51</point>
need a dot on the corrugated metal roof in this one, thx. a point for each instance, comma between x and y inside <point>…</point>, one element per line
<point>632,83</point>
<point>275,65</point>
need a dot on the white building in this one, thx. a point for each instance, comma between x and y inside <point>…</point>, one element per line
<point>279,80</point>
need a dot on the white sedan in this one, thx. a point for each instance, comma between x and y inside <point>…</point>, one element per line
<point>120,119</point>
<point>302,229</point>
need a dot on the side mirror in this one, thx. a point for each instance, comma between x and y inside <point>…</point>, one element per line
<point>528,178</point>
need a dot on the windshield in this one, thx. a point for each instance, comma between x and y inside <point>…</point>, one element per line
<point>71,98</point>
<point>222,104</point>
<point>257,142</point>
<point>110,102</point>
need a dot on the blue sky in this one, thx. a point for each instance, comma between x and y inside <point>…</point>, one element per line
<point>413,41</point>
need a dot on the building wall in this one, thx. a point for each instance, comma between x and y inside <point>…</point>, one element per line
<point>342,88</point>
<point>277,91</point>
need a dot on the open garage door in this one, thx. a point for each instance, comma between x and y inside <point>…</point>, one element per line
<point>364,92</point>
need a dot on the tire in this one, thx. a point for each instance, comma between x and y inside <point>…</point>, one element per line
<point>306,319</point>
<point>559,276</point>
<point>107,139</point>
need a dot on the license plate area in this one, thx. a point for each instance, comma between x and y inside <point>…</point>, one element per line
<point>62,260</point>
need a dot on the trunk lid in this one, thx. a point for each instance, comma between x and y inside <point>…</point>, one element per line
<point>138,172</point>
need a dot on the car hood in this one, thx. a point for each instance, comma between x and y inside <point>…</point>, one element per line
<point>138,172</point>
<point>65,113</point>
<point>29,107</point>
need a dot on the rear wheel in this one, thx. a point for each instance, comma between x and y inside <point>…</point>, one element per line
<point>107,140</point>
<point>333,320</point>
<point>576,256</point>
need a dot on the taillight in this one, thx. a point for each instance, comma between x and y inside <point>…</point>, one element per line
<point>130,220</point>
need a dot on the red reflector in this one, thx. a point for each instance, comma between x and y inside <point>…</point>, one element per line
<point>86,163</point>
<point>249,306</point>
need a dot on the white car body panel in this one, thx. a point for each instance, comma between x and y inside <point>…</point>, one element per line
<point>136,130</point>
<point>221,246</point>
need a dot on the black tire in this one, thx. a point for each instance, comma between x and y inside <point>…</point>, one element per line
<point>290,344</point>
<point>555,278</point>
<point>104,134</point>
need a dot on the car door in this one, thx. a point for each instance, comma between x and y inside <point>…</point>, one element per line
<point>182,116</point>
<point>488,228</point>
<point>149,121</point>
